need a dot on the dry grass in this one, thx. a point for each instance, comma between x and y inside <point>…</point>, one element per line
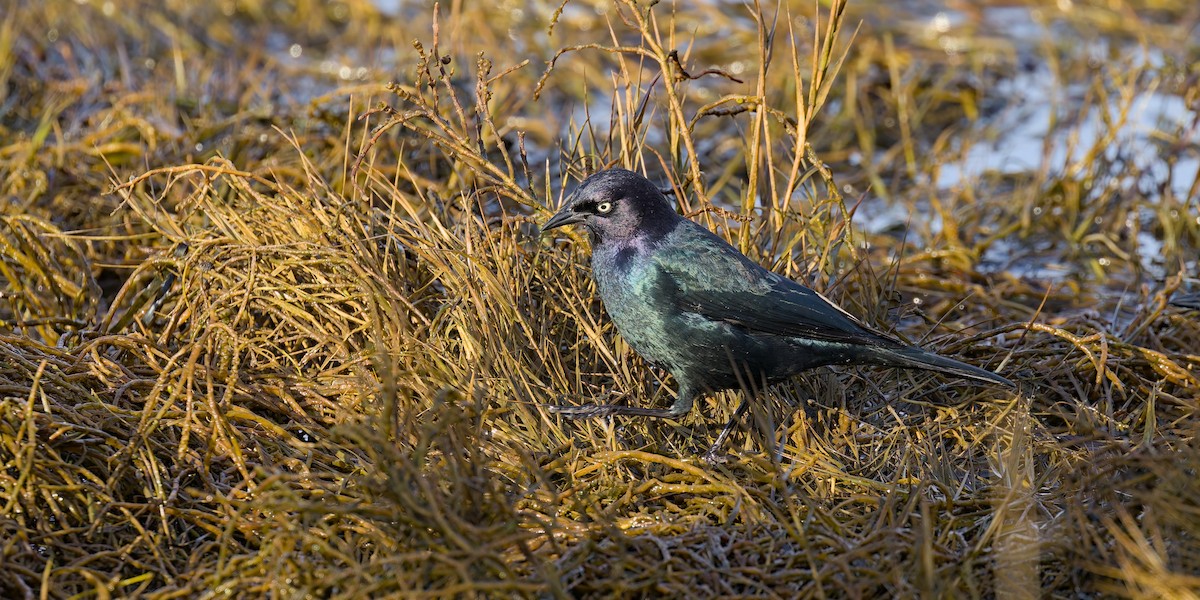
<point>269,326</point>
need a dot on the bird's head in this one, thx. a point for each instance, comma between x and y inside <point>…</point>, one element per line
<point>617,205</point>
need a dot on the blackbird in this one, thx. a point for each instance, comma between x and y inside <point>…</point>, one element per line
<point>692,304</point>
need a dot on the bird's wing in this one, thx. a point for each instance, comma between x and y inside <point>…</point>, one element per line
<point>711,278</point>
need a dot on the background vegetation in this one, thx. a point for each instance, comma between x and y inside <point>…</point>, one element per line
<point>275,318</point>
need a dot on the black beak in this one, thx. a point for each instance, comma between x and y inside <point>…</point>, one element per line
<point>566,216</point>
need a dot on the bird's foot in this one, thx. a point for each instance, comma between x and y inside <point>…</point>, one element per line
<point>585,411</point>
<point>715,457</point>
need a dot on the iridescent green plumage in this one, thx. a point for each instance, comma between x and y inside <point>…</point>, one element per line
<point>689,302</point>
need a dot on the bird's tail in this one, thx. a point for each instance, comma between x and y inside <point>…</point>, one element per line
<point>911,357</point>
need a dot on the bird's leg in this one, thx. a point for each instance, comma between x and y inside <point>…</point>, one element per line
<point>711,455</point>
<point>682,405</point>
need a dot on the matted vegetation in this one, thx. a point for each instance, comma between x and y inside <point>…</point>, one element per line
<point>275,317</point>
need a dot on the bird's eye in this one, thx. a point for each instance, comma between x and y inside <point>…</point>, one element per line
<point>604,207</point>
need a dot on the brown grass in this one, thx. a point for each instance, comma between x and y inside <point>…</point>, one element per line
<point>270,326</point>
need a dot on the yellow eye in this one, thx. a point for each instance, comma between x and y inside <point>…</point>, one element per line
<point>604,207</point>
